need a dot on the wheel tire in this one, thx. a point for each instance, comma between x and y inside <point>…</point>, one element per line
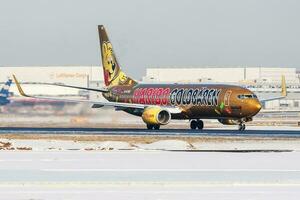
<point>193,124</point>
<point>156,127</point>
<point>242,127</point>
<point>150,127</point>
<point>200,124</point>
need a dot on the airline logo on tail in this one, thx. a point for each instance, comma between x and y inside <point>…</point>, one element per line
<point>112,73</point>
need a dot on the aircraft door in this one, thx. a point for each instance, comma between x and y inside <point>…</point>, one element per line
<point>227,97</point>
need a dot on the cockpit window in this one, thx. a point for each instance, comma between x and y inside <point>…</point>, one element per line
<point>247,96</point>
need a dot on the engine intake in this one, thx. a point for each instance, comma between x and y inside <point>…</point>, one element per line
<point>156,116</point>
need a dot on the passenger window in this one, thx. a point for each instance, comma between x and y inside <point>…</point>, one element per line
<point>240,96</point>
<point>246,96</point>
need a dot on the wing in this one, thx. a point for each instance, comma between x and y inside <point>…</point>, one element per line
<point>271,99</point>
<point>76,87</point>
<point>283,92</point>
<point>281,111</point>
<point>97,104</point>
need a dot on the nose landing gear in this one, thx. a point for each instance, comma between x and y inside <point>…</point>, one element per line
<point>242,127</point>
<point>197,124</point>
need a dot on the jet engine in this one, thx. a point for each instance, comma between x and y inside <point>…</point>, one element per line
<point>156,116</point>
<point>229,121</point>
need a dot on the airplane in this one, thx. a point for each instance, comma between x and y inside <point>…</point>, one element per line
<point>158,104</point>
<point>4,93</point>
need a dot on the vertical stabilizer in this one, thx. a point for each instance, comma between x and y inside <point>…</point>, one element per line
<point>4,92</point>
<point>283,86</point>
<point>113,75</point>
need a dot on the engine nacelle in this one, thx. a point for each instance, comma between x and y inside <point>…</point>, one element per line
<point>156,116</point>
<point>229,121</point>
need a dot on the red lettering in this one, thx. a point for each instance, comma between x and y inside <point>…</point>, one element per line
<point>149,95</point>
<point>158,95</point>
<point>142,96</point>
<point>165,96</point>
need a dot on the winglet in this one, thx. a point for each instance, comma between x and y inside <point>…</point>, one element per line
<point>283,86</point>
<point>283,92</point>
<point>19,87</point>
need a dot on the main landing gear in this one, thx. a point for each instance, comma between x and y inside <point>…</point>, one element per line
<point>151,127</point>
<point>197,124</point>
<point>242,127</point>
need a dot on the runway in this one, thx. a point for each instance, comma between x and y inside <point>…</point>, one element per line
<point>252,132</point>
<point>148,175</point>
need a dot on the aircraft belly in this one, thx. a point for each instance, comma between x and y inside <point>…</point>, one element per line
<point>203,112</point>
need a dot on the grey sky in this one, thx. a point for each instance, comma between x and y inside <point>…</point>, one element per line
<point>151,33</point>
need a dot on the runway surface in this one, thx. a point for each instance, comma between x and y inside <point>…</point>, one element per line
<point>149,175</point>
<point>270,132</point>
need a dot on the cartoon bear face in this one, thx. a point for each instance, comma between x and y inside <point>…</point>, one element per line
<point>112,73</point>
<point>111,69</point>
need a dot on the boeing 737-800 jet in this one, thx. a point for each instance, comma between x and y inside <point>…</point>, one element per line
<point>157,104</point>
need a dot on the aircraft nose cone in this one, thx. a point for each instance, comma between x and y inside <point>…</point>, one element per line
<point>257,106</point>
<point>253,107</point>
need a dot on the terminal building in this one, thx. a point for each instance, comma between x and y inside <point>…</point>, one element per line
<point>33,78</point>
<point>264,81</point>
<point>242,75</point>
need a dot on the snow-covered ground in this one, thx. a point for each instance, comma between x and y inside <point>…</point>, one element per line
<point>165,144</point>
<point>134,175</point>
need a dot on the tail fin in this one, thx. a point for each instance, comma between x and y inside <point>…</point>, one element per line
<point>5,89</point>
<point>283,86</point>
<point>113,75</point>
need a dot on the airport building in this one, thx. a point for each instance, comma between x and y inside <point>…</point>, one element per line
<point>33,78</point>
<point>264,81</point>
<point>247,75</point>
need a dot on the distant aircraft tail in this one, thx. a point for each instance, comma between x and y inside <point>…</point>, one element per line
<point>5,89</point>
<point>283,86</point>
<point>113,75</point>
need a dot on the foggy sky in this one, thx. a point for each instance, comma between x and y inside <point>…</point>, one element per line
<point>151,33</point>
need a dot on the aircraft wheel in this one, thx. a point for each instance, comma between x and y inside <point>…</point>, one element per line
<point>193,124</point>
<point>150,126</point>
<point>242,127</point>
<point>156,127</point>
<point>200,124</point>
